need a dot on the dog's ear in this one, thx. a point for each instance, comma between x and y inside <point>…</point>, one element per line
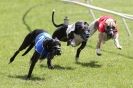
<point>86,26</point>
<point>47,44</point>
<point>85,23</point>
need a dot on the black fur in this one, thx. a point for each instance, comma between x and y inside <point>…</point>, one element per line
<point>81,28</point>
<point>56,25</point>
<point>51,45</point>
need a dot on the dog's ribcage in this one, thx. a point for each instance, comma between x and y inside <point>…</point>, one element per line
<point>77,39</point>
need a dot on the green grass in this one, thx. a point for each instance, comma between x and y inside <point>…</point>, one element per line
<point>114,69</point>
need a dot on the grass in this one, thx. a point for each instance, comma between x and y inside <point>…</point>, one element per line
<point>112,70</point>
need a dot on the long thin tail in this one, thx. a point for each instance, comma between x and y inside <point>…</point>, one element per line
<point>56,25</point>
<point>26,13</point>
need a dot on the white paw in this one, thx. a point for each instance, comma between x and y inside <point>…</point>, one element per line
<point>119,47</point>
<point>98,52</point>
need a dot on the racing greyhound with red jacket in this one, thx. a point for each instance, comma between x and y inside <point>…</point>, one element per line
<point>107,27</point>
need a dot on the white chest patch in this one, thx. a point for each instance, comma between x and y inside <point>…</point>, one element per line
<point>77,40</point>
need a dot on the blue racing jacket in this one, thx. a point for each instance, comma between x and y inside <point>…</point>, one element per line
<point>39,43</point>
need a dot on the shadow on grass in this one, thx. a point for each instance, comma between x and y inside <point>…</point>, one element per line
<point>119,54</point>
<point>58,67</point>
<point>92,64</point>
<point>24,77</point>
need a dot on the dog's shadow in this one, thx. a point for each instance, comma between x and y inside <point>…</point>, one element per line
<point>92,64</point>
<point>115,53</point>
<point>58,67</point>
<point>25,77</point>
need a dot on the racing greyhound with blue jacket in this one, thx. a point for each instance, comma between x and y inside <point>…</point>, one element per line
<point>45,47</point>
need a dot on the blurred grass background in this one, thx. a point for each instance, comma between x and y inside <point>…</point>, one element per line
<point>112,70</point>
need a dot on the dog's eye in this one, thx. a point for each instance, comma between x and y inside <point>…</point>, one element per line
<point>56,47</point>
<point>113,27</point>
<point>108,27</point>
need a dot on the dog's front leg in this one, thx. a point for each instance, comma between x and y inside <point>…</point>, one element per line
<point>79,50</point>
<point>70,38</point>
<point>49,58</point>
<point>34,59</point>
<point>99,43</point>
<point>116,41</point>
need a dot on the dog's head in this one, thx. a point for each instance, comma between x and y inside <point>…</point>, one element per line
<point>53,46</point>
<point>110,27</point>
<point>81,28</point>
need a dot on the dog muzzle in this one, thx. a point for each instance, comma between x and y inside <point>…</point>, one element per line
<point>110,33</point>
<point>57,50</point>
<point>85,35</point>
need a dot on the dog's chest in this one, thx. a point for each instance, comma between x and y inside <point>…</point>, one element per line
<point>77,40</point>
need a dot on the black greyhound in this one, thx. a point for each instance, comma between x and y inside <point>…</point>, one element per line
<point>74,34</point>
<point>45,47</point>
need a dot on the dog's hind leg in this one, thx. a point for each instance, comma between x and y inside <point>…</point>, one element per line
<point>79,50</point>
<point>13,57</point>
<point>27,41</point>
<point>34,59</point>
<point>29,48</point>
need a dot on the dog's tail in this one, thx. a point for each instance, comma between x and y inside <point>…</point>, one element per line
<point>24,21</point>
<point>56,25</point>
<point>26,13</point>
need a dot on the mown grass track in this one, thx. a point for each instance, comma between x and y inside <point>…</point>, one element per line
<point>112,70</point>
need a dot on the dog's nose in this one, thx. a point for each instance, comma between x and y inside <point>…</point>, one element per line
<point>58,52</point>
<point>87,34</point>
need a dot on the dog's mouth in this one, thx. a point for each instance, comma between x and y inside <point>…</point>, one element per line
<point>56,50</point>
<point>85,35</point>
<point>111,31</point>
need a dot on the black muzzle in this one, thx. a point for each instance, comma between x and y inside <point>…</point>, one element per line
<point>57,50</point>
<point>85,35</point>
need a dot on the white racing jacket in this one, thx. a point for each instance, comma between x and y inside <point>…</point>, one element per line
<point>77,38</point>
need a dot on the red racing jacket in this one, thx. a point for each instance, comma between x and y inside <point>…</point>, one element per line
<point>102,24</point>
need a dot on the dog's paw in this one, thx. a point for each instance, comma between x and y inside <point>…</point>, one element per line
<point>76,59</point>
<point>98,52</point>
<point>28,77</point>
<point>51,67</point>
<point>119,47</point>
